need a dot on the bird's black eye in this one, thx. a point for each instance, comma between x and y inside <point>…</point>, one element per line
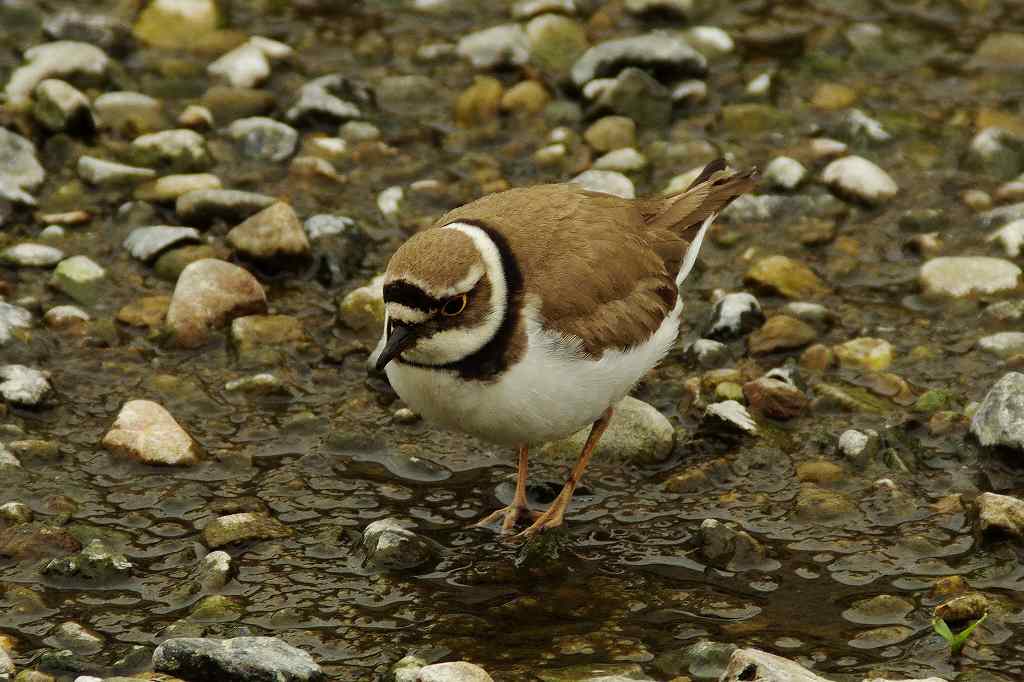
<point>454,305</point>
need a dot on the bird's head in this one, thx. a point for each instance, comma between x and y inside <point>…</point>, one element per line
<point>445,297</point>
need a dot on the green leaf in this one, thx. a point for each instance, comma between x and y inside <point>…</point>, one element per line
<point>956,642</point>
<point>942,629</point>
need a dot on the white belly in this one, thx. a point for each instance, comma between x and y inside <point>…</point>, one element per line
<point>551,393</point>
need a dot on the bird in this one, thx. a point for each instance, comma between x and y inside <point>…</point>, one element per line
<point>526,315</point>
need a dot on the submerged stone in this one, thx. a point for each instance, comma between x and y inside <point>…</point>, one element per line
<point>243,527</point>
<point>252,659</point>
<point>999,420</point>
<point>959,276</point>
<point>391,546</point>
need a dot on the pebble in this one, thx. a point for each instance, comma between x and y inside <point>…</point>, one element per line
<point>634,93</point>
<point>94,563</point>
<point>390,546</point>
<point>775,398</point>
<point>825,148</point>
<point>263,383</point>
<point>1010,236</point>
<point>860,125</point>
<point>784,173</point>
<point>999,420</point>
<point>733,413</point>
<point>177,24</point>
<point>610,133</point>
<point>864,353</point>
<point>1002,513</point>
<point>80,278</point>
<point>964,607</point>
<point>180,148</point>
<point>733,316</point>
<point>20,170</point>
<point>526,9</point>
<point>460,671</point>
<point>243,527</point>
<point>12,317</point>
<point>66,317</point>
<point>959,276</point>
<point>7,458</point>
<point>324,98</point>
<point>248,65</point>
<point>625,160</point>
<point>26,255</point>
<point>7,668</point>
<point>129,113</point>
<point>73,636</point>
<point>26,386</point>
<point>13,513</point>
<point>555,42</point>
<point>214,571</point>
<point>146,431</point>
<point>63,58</point>
<point>208,294</point>
<point>857,178</point>
<point>203,206</point>
<point>1003,344</point>
<point>781,333</point>
<point>709,353</point>
<point>273,233</point>
<point>711,41</point>
<point>996,152</point>
<point>814,313</point>
<point>661,50</point>
<point>196,116</point>
<point>242,659</point>
<point>264,138</point>
<point>146,243</point>
<point>607,181</point>
<point>1002,214</point>
<point>787,277</point>
<point>110,173</point>
<point>61,107</point>
<point>327,225</point>
<point>503,45</point>
<point>170,187</point>
<point>638,434</point>
<point>362,309</point>
<point>730,548</point>
<point>389,202</point>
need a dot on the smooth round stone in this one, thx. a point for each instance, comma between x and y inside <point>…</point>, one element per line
<point>264,138</point>
<point>459,671</point>
<point>527,9</point>
<point>555,42</point>
<point>65,317</point>
<point>31,255</point>
<point>390,546</point>
<point>781,333</point>
<point>359,131</point>
<point>180,147</point>
<point>20,170</point>
<point>638,433</point>
<point>610,133</point>
<point>858,178</point>
<point>129,112</point>
<point>274,232</point>
<point>74,636</point>
<point>503,45</point>
<point>209,293</point>
<point>959,276</point>
<point>1004,344</point>
<point>170,187</point>
<point>711,41</point>
<point>80,278</point>
<point>147,432</point>
<point>606,181</point>
<point>242,527</point>
<point>625,160</point>
<point>176,24</point>
<point>54,60</point>
<point>865,353</point>
<point>785,173</point>
<point>1010,236</point>
<point>788,277</point>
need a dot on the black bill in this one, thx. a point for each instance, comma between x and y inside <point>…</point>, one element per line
<point>400,337</point>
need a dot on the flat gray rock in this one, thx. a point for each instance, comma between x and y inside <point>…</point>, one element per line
<point>20,170</point>
<point>242,659</point>
<point>264,138</point>
<point>203,206</point>
<point>660,51</point>
<point>31,255</point>
<point>110,173</point>
<point>146,243</point>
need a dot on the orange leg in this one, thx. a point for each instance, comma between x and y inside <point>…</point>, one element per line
<point>553,517</point>
<point>510,514</point>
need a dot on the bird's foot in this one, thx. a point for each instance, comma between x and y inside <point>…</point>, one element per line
<point>509,516</point>
<point>552,518</point>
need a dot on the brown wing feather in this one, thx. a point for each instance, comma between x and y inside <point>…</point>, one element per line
<point>606,265</point>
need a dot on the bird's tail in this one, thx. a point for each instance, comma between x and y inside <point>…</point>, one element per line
<point>690,213</point>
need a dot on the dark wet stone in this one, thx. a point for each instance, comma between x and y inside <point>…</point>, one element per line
<point>963,608</point>
<point>61,107</point>
<point>411,96</point>
<point>95,563</point>
<point>820,505</point>
<point>209,293</point>
<point>882,609</point>
<point>639,96</point>
<point>266,339</point>
<point>391,546</point>
<point>203,206</point>
<point>781,333</point>
<point>774,398</point>
<point>999,419</point>
<point>663,52</point>
<point>733,316</point>
<point>36,541</point>
<point>705,659</point>
<point>263,138</point>
<point>726,546</point>
<point>146,243</point>
<point>243,659</point>
<point>243,527</point>
<point>27,386</point>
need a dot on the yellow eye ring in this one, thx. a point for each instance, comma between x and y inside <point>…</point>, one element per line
<point>454,305</point>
